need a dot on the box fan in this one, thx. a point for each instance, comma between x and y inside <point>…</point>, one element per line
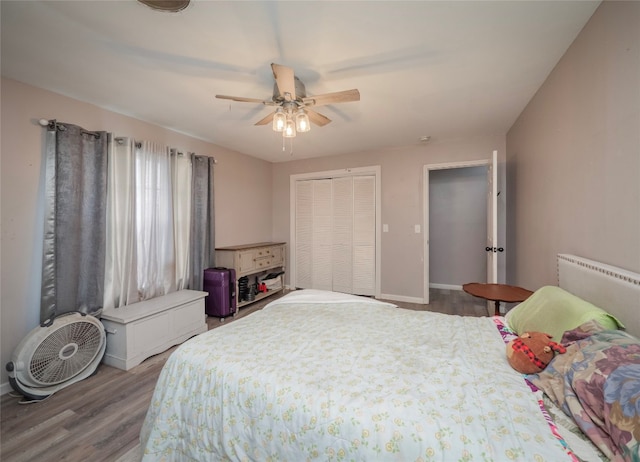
<point>57,354</point>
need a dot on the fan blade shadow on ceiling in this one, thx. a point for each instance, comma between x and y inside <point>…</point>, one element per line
<point>187,65</point>
<point>382,62</point>
<point>337,113</point>
<point>276,19</point>
<point>272,11</point>
<point>247,113</point>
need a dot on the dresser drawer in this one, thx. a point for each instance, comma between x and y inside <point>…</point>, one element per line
<point>263,262</point>
<point>268,257</point>
<point>263,252</point>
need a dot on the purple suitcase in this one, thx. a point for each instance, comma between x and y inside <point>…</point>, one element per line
<point>221,285</point>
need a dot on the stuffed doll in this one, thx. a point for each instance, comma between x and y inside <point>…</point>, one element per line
<point>531,352</point>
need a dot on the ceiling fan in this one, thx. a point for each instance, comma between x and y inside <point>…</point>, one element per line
<point>293,107</point>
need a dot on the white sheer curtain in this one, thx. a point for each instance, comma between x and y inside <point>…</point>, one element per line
<point>148,216</point>
<point>154,216</point>
<point>182,198</point>
<point>120,282</point>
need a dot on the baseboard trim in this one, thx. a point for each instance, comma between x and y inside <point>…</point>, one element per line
<point>445,286</point>
<point>401,298</point>
<point>5,388</point>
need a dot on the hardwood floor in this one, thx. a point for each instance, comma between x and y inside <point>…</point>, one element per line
<point>99,418</point>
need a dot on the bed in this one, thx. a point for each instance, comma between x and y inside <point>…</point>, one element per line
<point>324,376</point>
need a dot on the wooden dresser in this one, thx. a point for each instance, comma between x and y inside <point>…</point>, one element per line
<point>253,261</point>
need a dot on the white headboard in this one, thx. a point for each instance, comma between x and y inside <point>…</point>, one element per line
<point>615,290</point>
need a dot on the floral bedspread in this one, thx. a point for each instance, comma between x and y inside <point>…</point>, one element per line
<point>597,383</point>
<point>346,380</point>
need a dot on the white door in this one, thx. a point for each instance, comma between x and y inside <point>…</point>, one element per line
<point>492,220</point>
<point>321,254</point>
<point>342,234</point>
<point>364,235</point>
<point>303,233</point>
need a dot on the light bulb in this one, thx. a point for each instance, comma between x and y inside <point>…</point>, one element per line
<point>302,121</point>
<point>289,129</point>
<point>279,120</point>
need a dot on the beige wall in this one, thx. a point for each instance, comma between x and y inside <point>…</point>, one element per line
<point>242,189</point>
<point>573,155</point>
<point>402,204</point>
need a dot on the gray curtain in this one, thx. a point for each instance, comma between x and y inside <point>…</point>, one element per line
<point>201,253</point>
<point>75,214</point>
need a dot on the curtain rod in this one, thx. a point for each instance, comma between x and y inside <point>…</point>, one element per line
<point>180,153</point>
<point>119,140</point>
<point>53,124</point>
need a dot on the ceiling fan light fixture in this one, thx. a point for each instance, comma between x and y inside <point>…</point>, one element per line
<point>292,113</point>
<point>289,129</point>
<point>302,121</point>
<point>279,120</point>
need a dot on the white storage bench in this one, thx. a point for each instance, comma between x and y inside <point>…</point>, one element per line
<point>143,329</point>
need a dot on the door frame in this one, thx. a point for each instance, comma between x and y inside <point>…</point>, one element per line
<point>427,168</point>
<point>492,219</point>
<point>373,170</point>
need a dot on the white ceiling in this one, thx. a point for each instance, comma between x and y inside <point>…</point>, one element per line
<point>423,68</point>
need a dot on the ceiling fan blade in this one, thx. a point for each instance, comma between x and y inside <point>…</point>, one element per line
<point>285,80</point>
<point>266,120</point>
<point>317,118</point>
<point>241,99</point>
<point>333,98</point>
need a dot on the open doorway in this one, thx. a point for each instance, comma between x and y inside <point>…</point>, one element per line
<point>456,223</point>
<point>457,227</point>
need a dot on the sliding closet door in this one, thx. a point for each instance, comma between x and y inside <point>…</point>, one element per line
<point>321,255</point>
<point>304,233</point>
<point>313,234</point>
<point>342,235</point>
<point>364,235</point>
<point>335,232</point>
